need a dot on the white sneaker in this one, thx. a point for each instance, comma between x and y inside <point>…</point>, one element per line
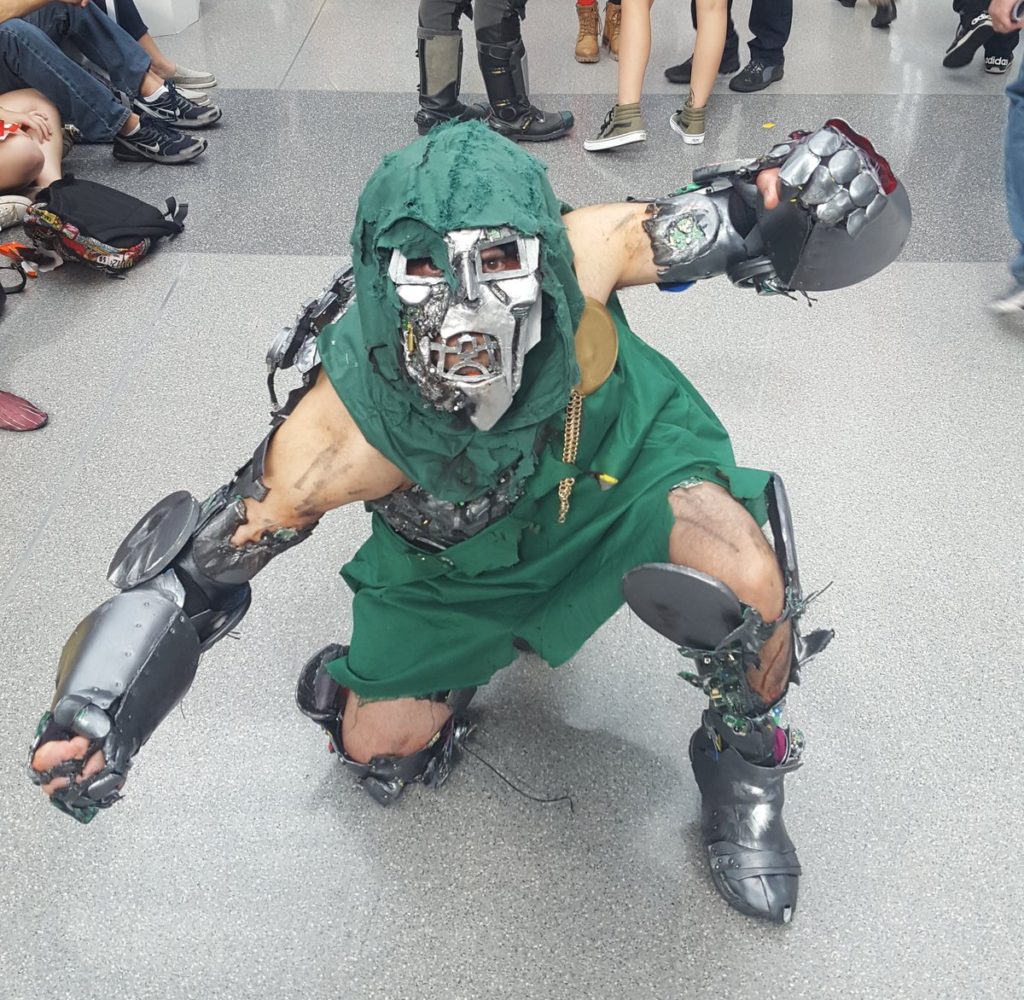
<point>1011,302</point>
<point>12,209</point>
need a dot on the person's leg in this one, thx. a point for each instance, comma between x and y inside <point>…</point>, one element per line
<point>712,16</point>
<point>439,54</point>
<point>48,166</point>
<point>999,51</point>
<point>29,58</point>
<point>99,39</point>
<point>770,24</point>
<point>1014,175</point>
<point>742,752</point>
<point>612,27</point>
<point>588,46</point>
<point>624,124</point>
<point>715,535</point>
<point>731,603</point>
<point>503,63</point>
<point>973,30</point>
<point>634,49</point>
<point>21,160</point>
<point>730,62</point>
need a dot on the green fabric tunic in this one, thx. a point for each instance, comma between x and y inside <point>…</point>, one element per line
<point>427,622</point>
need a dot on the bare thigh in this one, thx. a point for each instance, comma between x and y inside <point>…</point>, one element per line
<point>716,535</point>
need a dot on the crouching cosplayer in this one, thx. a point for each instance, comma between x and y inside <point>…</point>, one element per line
<point>473,381</point>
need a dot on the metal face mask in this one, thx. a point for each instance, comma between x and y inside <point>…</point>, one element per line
<point>465,349</point>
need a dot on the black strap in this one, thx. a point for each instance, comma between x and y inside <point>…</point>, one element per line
<point>176,212</point>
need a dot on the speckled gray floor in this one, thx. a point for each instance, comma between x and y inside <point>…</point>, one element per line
<point>244,864</point>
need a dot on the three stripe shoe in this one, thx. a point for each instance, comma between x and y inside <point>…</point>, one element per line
<point>153,140</point>
<point>969,38</point>
<point>169,106</point>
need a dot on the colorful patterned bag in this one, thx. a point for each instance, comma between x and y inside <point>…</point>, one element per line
<point>99,225</point>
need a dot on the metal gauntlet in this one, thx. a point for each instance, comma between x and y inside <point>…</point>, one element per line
<point>843,216</point>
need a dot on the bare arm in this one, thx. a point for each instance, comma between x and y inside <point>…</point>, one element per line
<point>318,460</point>
<point>613,250</point>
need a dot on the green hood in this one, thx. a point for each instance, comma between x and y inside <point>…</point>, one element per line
<point>457,177</point>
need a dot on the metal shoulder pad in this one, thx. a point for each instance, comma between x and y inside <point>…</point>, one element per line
<point>296,345</point>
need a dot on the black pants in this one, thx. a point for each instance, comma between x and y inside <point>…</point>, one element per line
<point>997,45</point>
<point>128,16</point>
<point>770,23</point>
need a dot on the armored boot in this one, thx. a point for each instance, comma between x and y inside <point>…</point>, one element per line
<point>753,862</point>
<point>512,115</point>
<point>587,47</point>
<point>440,59</point>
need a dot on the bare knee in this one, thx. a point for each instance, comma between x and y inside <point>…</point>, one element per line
<point>32,100</point>
<point>20,163</point>
<point>396,727</point>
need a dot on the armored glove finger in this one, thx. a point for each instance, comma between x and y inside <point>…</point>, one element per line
<point>834,173</point>
<point>79,799</point>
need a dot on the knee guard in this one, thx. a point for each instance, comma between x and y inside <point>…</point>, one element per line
<point>321,698</point>
<point>724,637</point>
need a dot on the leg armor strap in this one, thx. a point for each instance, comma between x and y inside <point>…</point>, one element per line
<point>384,778</point>
<point>724,637</point>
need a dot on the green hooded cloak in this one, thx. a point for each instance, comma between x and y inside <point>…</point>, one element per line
<point>426,622</point>
<point>457,177</point>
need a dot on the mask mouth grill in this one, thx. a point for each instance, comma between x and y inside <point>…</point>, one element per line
<point>469,358</point>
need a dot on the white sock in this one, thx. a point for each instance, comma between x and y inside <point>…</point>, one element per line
<point>133,131</point>
<point>156,95</point>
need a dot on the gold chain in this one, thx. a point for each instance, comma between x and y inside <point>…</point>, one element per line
<point>573,416</point>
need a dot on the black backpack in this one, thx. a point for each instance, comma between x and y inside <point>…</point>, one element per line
<point>98,225</point>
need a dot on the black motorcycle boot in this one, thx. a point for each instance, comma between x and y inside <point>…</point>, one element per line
<point>440,58</point>
<point>753,862</point>
<point>512,115</point>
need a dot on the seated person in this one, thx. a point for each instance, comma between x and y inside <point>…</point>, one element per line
<point>31,147</point>
<point>128,17</point>
<point>30,35</point>
<point>30,155</point>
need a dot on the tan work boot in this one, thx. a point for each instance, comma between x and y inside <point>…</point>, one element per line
<point>612,23</point>
<point>587,47</point>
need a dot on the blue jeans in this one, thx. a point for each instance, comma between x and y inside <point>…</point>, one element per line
<point>1014,160</point>
<point>30,57</point>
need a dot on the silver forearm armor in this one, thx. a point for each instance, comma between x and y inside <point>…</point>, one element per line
<point>182,586</point>
<point>842,217</point>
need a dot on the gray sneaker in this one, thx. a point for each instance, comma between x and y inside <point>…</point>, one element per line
<point>196,79</point>
<point>622,125</point>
